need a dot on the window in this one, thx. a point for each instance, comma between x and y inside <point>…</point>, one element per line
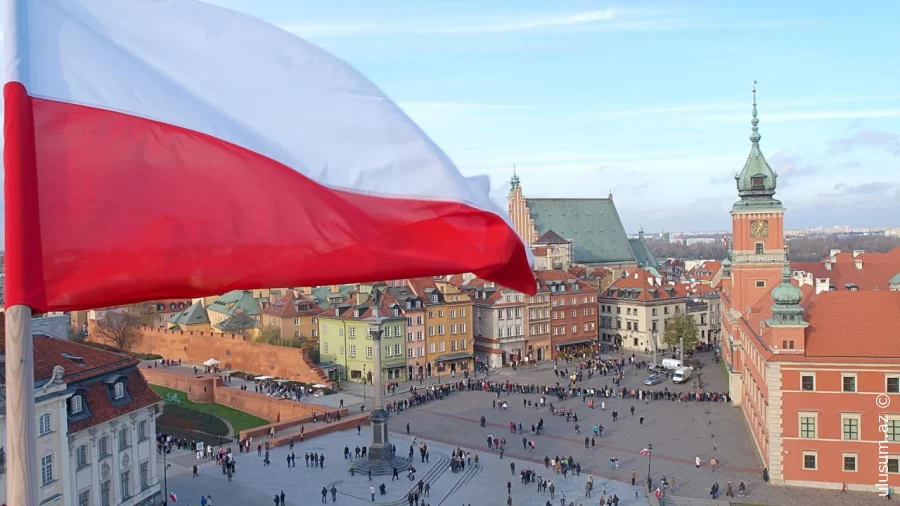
<point>341,349</point>
<point>351,332</point>
<point>368,352</point>
<point>352,350</point>
<point>431,330</point>
<point>103,445</point>
<point>760,283</point>
<point>462,313</point>
<point>341,331</point>
<point>808,426</point>
<point>84,498</point>
<point>420,336</point>
<point>296,321</point>
<point>442,347</point>
<point>810,461</point>
<point>409,336</point>
<point>760,248</point>
<point>452,313</point>
<point>119,390</point>
<point>893,465</point>
<point>848,382</point>
<point>46,469</point>
<point>462,328</point>
<point>440,313</point>
<point>453,345</point>
<point>808,382</point>
<point>892,385</point>
<point>849,462</point>
<point>397,350</point>
<point>893,430</point>
<point>44,425</point>
<point>453,328</point>
<point>126,484</point>
<point>145,475</point>
<point>325,329</point>
<point>76,404</point>
<point>431,348</point>
<point>387,350</point>
<point>104,493</point>
<point>397,331</point>
<point>850,427</point>
<point>325,347</point>
<point>123,438</point>
<point>440,330</point>
<point>81,459</point>
<point>653,311</point>
<point>409,352</point>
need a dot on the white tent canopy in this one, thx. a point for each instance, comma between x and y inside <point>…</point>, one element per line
<point>260,378</point>
<point>211,362</point>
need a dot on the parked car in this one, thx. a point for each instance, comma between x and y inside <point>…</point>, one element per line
<point>655,368</point>
<point>653,379</point>
<point>672,364</point>
<point>693,363</point>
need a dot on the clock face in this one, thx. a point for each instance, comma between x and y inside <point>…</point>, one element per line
<point>759,228</point>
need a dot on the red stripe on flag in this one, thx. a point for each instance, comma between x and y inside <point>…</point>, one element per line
<point>132,209</point>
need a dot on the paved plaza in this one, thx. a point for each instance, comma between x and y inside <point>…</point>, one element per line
<point>678,432</point>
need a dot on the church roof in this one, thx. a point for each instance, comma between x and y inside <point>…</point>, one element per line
<point>550,237</point>
<point>593,226</point>
<point>194,315</point>
<point>642,252</point>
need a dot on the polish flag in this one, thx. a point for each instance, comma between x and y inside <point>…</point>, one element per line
<point>645,452</point>
<point>173,497</point>
<point>657,493</point>
<point>163,149</point>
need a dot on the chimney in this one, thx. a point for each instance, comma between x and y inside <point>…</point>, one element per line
<point>335,289</point>
<point>821,285</point>
<point>828,265</point>
<point>859,263</point>
<point>857,252</point>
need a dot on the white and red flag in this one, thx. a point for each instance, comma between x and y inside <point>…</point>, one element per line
<point>173,497</point>
<point>645,452</point>
<point>174,148</point>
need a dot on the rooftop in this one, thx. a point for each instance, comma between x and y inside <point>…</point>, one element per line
<point>854,324</point>
<point>873,271</point>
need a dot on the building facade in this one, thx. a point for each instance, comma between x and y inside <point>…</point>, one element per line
<point>295,316</point>
<point>401,299</point>
<point>96,428</point>
<point>635,308</point>
<point>448,326</point>
<point>538,342</point>
<point>573,313</point>
<point>814,372</point>
<point>344,340</point>
<point>501,321</point>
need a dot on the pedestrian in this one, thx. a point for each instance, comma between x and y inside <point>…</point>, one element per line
<point>372,492</point>
<point>282,497</point>
<point>333,493</point>
<point>407,427</point>
<point>697,461</point>
<point>324,495</point>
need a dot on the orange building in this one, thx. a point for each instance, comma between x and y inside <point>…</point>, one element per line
<point>537,341</point>
<point>448,326</point>
<point>573,313</point>
<point>295,316</point>
<point>814,373</point>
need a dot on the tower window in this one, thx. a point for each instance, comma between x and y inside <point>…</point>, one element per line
<point>757,182</point>
<point>760,248</point>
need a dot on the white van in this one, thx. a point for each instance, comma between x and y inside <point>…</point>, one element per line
<point>672,363</point>
<point>682,375</point>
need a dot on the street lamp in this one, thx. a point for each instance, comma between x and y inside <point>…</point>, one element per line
<point>365,379</point>
<point>654,335</point>
<point>649,460</point>
<point>165,478</point>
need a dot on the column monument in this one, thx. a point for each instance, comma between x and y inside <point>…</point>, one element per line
<point>381,457</point>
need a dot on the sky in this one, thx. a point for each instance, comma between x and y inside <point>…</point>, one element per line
<point>648,100</point>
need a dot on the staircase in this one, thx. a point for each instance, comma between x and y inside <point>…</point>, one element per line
<point>672,500</point>
<point>470,472</point>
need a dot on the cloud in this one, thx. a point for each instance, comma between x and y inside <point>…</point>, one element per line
<point>790,167</point>
<point>614,20</point>
<point>842,189</point>
<point>890,142</point>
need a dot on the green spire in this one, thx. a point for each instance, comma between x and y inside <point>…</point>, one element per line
<point>787,298</point>
<point>757,181</point>
<point>514,181</point>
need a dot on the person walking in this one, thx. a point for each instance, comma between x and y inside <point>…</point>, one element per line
<point>372,492</point>
<point>324,495</point>
<point>333,493</point>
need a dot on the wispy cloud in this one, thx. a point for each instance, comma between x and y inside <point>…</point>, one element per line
<point>868,138</point>
<point>605,19</point>
<point>790,167</point>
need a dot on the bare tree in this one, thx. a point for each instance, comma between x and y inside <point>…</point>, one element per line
<point>119,329</point>
<point>144,312</point>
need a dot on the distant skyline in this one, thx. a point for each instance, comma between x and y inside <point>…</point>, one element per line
<point>649,100</point>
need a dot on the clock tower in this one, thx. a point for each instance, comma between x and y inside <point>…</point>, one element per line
<point>757,217</point>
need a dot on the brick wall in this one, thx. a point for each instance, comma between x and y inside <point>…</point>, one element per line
<point>194,347</point>
<point>206,388</point>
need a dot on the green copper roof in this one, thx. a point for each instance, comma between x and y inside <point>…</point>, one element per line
<point>514,181</point>
<point>322,293</point>
<point>757,181</point>
<point>196,314</point>
<point>235,302</point>
<point>593,225</point>
<point>787,298</point>
<point>642,252</point>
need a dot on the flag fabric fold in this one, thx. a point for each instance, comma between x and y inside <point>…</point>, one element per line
<point>160,149</point>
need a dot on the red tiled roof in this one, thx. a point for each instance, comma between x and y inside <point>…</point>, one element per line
<point>539,251</point>
<point>550,237</point>
<point>854,324</point>
<point>48,353</point>
<point>287,307</point>
<point>877,269</point>
<point>707,270</point>
<point>644,281</point>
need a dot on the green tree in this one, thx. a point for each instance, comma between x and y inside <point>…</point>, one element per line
<point>269,334</point>
<point>121,330</point>
<point>680,329</point>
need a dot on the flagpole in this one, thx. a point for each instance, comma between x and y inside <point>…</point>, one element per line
<point>21,485</point>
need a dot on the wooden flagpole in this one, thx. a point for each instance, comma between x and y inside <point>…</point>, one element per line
<point>21,437</point>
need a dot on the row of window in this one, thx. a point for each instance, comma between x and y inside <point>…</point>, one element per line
<point>849,462</point>
<point>561,330</point>
<point>453,313</point>
<point>537,330</point>
<point>84,496</point>
<point>848,382</point>
<point>809,427</point>
<point>397,350</point>
<point>606,308</point>
<point>539,313</point>
<point>573,300</point>
<point>454,329</point>
<point>574,313</point>
<point>509,313</point>
<point>311,320</point>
